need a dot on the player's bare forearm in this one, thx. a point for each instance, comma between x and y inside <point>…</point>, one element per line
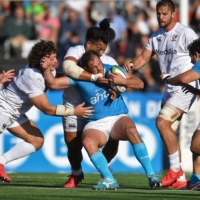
<point>134,82</point>
<point>42,103</point>
<point>184,78</point>
<point>139,61</point>
<point>85,76</point>
<point>103,80</point>
<point>188,88</point>
<point>56,83</point>
<point>131,81</point>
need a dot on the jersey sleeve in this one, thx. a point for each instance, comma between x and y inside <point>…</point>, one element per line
<point>149,44</point>
<point>75,52</point>
<point>196,68</point>
<point>34,87</point>
<point>72,82</point>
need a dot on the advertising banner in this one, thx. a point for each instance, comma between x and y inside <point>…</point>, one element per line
<point>52,157</point>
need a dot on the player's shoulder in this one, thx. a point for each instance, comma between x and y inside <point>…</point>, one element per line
<point>76,51</point>
<point>30,73</point>
<point>106,59</point>
<point>157,33</point>
<point>184,29</point>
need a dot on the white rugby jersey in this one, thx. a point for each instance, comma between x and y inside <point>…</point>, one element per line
<point>71,95</point>
<point>28,83</point>
<point>171,49</point>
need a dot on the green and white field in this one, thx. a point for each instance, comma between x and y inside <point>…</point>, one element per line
<point>41,186</point>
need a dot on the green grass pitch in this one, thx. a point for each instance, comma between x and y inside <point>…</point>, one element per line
<point>42,186</point>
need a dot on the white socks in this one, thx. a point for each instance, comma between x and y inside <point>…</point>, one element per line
<point>174,161</point>
<point>20,150</point>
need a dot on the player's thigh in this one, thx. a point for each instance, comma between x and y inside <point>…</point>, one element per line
<point>94,137</point>
<point>73,124</point>
<point>73,139</point>
<point>122,128</point>
<point>27,131</point>
<point>170,113</point>
<point>195,143</point>
<point>73,128</point>
<point>178,99</point>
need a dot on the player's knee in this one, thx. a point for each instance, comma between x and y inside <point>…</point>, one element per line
<point>167,116</point>
<point>38,143</point>
<point>195,147</point>
<point>131,131</point>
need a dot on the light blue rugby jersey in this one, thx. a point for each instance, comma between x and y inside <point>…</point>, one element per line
<point>96,95</point>
<point>196,67</point>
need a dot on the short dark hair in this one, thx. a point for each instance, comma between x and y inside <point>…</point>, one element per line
<point>102,33</point>
<point>38,51</point>
<point>194,47</point>
<point>168,3</point>
<point>88,56</point>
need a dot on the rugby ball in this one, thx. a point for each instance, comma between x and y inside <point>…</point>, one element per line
<point>120,70</point>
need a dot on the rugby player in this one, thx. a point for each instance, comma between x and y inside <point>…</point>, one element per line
<point>110,120</point>
<point>169,43</point>
<point>183,79</point>
<point>28,89</point>
<point>97,38</point>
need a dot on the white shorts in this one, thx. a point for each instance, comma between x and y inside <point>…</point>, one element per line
<point>5,122</point>
<point>179,99</point>
<point>105,125</point>
<point>73,124</point>
<point>22,119</point>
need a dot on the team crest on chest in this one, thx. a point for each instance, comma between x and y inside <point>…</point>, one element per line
<point>174,37</point>
<point>159,39</point>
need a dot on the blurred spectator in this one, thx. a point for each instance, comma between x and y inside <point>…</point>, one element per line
<point>197,16</point>
<point>55,7</point>
<point>122,51</point>
<point>18,31</point>
<point>153,22</point>
<point>142,23</point>
<point>3,34</point>
<point>192,14</point>
<point>72,33</point>
<point>118,23</point>
<point>150,76</point>
<point>5,7</point>
<point>99,10</point>
<point>48,26</point>
<point>81,6</point>
<point>34,12</point>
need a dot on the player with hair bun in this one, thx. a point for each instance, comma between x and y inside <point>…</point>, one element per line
<point>97,39</point>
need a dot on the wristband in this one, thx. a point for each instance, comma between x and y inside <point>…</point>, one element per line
<point>94,77</point>
<point>61,110</point>
<point>69,111</point>
<point>166,77</point>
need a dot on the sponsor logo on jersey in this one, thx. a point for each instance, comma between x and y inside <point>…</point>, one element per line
<point>166,52</point>
<point>159,38</point>
<point>174,37</point>
<point>72,125</point>
<point>99,97</point>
